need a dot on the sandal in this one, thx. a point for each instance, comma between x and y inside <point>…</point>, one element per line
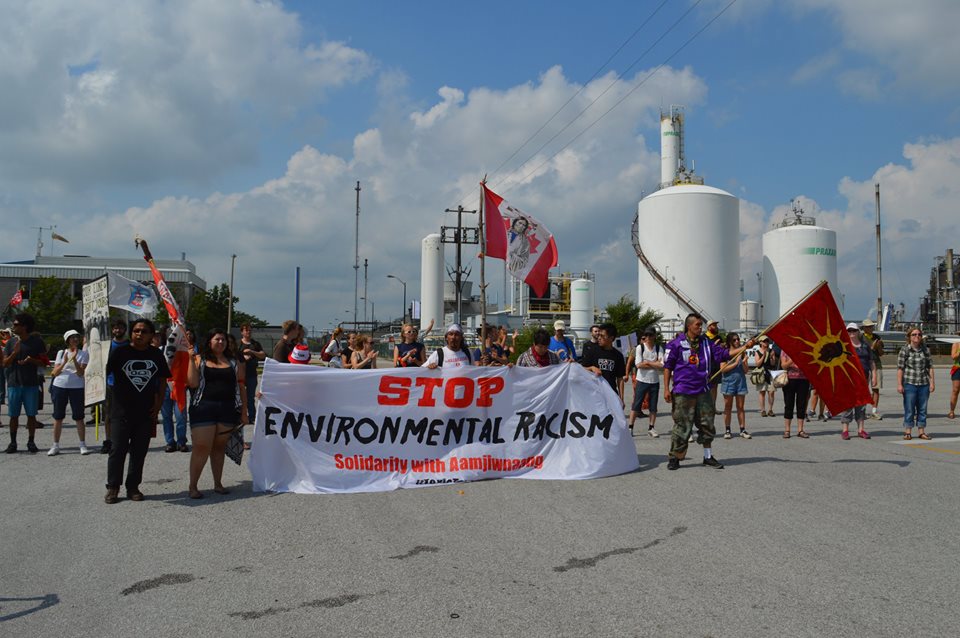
<point>951,416</point>
<point>907,437</point>
<point>221,490</point>
<point>925,437</point>
<point>786,435</point>
<point>803,435</point>
<point>196,495</point>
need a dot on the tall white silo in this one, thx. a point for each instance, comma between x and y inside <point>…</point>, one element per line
<point>431,282</point>
<point>797,255</point>
<point>688,242</point>
<point>581,307</point>
<point>671,145</point>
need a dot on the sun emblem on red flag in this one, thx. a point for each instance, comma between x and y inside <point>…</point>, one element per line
<point>829,352</point>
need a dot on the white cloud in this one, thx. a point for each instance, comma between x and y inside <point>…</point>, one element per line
<point>410,172</point>
<point>113,93</point>
<point>815,67</point>
<point>916,40</point>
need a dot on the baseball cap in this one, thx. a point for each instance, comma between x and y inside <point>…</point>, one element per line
<point>70,333</point>
<point>713,322</point>
<point>454,327</point>
<point>853,326</point>
<point>300,354</point>
<point>559,325</point>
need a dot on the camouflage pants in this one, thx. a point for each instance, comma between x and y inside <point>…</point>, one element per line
<point>690,409</point>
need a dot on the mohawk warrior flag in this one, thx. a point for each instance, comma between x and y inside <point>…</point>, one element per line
<point>519,239</point>
<point>814,336</point>
<point>175,350</point>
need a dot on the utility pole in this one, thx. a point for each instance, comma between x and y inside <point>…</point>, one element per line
<point>459,235</point>
<point>233,263</point>
<point>296,295</point>
<point>365,261</point>
<point>879,269</point>
<point>356,259</point>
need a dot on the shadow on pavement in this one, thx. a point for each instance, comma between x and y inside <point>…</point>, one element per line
<point>238,491</point>
<point>20,607</point>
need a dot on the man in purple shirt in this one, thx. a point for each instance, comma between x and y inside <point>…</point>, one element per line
<point>687,362</point>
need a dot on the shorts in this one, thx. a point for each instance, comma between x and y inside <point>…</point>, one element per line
<point>23,397</point>
<point>645,389</point>
<point>734,385</point>
<point>59,398</point>
<point>858,414</point>
<point>765,387</point>
<point>212,412</point>
<point>955,375</point>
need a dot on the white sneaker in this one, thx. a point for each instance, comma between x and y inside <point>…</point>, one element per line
<point>54,450</point>
<point>653,434</point>
<point>690,439</point>
<point>727,435</point>
<point>84,450</point>
<point>745,435</point>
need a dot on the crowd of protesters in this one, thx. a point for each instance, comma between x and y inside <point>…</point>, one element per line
<point>687,372</point>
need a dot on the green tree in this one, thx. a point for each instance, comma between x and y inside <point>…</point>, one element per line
<point>523,342</point>
<point>209,310</point>
<point>53,305</point>
<point>629,316</point>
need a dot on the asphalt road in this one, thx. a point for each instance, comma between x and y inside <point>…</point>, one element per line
<point>817,537</point>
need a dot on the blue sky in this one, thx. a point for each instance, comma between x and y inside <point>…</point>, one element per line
<point>249,124</point>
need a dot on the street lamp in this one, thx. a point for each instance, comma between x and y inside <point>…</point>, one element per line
<point>404,313</point>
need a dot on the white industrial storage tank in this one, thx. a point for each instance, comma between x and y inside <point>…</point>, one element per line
<point>431,281</point>
<point>687,239</point>
<point>749,317</point>
<point>581,307</point>
<point>797,255</point>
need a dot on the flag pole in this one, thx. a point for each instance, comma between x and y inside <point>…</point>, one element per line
<point>822,283</point>
<point>483,261</point>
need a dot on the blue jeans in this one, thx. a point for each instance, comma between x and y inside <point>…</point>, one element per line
<point>167,410</point>
<point>915,405</point>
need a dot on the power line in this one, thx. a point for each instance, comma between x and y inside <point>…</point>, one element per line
<point>582,88</point>
<point>609,86</point>
<point>501,191</point>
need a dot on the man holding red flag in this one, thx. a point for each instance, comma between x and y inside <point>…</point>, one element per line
<point>687,362</point>
<point>812,334</point>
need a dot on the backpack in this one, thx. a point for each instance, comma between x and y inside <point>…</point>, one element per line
<point>325,355</point>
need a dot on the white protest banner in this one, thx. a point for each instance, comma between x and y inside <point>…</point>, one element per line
<point>96,330</point>
<point>321,430</point>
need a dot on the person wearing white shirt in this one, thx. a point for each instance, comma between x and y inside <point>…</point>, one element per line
<point>452,355</point>
<point>649,362</point>
<point>68,369</point>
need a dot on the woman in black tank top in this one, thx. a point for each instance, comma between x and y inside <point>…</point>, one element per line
<point>218,407</point>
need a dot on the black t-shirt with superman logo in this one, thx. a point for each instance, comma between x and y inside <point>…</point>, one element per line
<point>138,376</point>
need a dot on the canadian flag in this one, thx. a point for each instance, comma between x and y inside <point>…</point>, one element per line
<point>17,298</point>
<point>519,239</point>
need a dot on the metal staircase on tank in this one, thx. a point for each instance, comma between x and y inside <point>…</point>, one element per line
<point>675,292</point>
